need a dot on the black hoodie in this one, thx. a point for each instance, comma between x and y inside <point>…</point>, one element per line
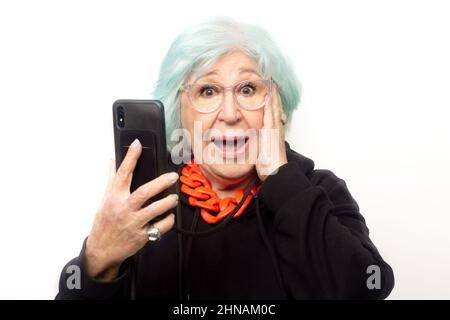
<point>301,237</point>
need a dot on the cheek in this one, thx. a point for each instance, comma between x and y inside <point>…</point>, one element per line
<point>190,116</point>
<point>255,119</point>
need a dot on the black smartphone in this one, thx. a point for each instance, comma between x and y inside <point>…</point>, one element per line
<point>143,120</point>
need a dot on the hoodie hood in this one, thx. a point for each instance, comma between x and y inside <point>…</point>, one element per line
<point>306,164</point>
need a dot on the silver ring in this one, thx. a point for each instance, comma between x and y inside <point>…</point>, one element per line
<point>153,233</point>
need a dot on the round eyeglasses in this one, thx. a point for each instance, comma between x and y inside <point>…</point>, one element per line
<point>248,94</point>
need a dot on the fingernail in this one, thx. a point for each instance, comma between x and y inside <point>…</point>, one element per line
<point>173,176</point>
<point>136,143</point>
<point>175,196</point>
<point>173,217</point>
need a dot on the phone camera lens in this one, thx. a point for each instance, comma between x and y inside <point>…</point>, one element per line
<point>120,117</point>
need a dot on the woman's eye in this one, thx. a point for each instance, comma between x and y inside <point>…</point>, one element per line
<point>248,89</point>
<point>208,91</point>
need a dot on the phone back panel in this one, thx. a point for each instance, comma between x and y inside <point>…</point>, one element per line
<point>143,120</point>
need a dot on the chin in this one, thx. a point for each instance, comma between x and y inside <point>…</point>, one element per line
<point>231,171</point>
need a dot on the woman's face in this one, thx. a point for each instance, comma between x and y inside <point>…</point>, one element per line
<point>227,121</point>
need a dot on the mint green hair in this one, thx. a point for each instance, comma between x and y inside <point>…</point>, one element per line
<point>198,47</point>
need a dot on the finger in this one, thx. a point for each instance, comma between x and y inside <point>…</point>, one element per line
<point>263,145</point>
<point>267,118</point>
<point>277,110</point>
<point>267,127</point>
<point>112,174</point>
<point>151,189</point>
<point>156,208</point>
<point>273,102</point>
<point>165,224</point>
<point>125,172</point>
<point>282,117</point>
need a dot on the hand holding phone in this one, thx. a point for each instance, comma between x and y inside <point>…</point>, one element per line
<point>135,193</point>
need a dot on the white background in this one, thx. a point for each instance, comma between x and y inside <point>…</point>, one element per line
<point>375,111</point>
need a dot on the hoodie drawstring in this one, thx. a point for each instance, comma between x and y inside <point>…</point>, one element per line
<point>269,247</point>
<point>191,233</point>
<point>188,254</point>
<point>183,266</point>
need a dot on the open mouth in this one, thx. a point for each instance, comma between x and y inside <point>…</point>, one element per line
<point>230,145</point>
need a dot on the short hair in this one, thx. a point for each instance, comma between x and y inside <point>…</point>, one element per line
<point>199,46</point>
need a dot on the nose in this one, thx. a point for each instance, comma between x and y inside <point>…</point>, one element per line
<point>229,112</point>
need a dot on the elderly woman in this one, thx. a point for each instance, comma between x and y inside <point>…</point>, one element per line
<point>270,227</point>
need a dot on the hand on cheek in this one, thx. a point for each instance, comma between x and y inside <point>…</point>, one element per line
<point>271,146</point>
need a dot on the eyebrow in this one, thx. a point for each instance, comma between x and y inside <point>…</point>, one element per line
<point>211,73</point>
<point>248,70</point>
<point>241,70</point>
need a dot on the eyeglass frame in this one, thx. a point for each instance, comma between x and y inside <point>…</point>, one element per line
<point>188,88</point>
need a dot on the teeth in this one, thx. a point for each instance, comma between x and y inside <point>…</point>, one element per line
<point>229,144</point>
<point>229,147</point>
